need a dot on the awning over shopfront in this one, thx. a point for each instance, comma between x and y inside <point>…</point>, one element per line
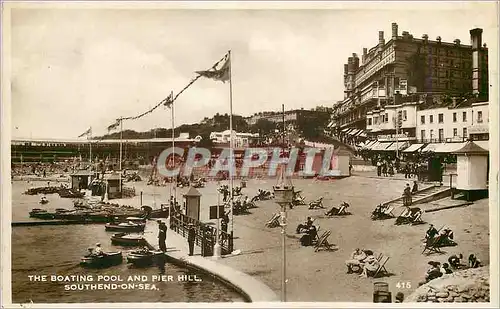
<point>330,124</point>
<point>369,144</point>
<point>345,129</point>
<point>399,146</point>
<point>443,147</point>
<point>449,147</point>
<point>380,146</point>
<point>431,147</point>
<point>483,144</point>
<point>362,134</point>
<point>413,148</point>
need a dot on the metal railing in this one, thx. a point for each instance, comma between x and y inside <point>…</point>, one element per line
<point>204,234</point>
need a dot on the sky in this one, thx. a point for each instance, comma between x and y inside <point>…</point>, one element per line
<point>73,68</point>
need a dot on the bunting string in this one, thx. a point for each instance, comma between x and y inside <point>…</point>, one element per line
<point>167,101</point>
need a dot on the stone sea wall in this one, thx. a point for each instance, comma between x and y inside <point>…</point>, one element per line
<point>466,286</point>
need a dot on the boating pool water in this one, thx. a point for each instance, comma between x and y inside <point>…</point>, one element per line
<point>56,250</point>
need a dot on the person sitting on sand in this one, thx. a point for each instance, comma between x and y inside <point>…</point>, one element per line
<point>454,260</point>
<point>357,259</point>
<point>308,238</point>
<point>306,226</point>
<point>474,262</point>
<point>370,264</point>
<point>432,273</point>
<point>446,269</point>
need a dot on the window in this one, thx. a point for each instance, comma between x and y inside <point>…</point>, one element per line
<point>464,116</point>
<point>431,118</point>
<point>386,117</point>
<point>422,135</point>
<point>404,115</point>
<point>441,135</point>
<point>369,121</point>
<point>422,119</point>
<point>464,133</point>
<point>440,118</point>
<point>431,134</point>
<point>455,132</point>
<point>479,117</point>
<point>375,120</point>
<point>454,117</point>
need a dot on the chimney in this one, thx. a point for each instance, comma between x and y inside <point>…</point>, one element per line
<point>425,37</point>
<point>381,41</point>
<point>394,31</point>
<point>476,38</point>
<point>438,39</point>
<point>457,42</point>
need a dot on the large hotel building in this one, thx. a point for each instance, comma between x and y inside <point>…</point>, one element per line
<point>398,86</point>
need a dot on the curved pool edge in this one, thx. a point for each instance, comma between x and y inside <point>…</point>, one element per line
<point>251,289</point>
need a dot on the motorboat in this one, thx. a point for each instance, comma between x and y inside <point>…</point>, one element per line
<point>106,259</point>
<point>40,214</point>
<point>125,227</point>
<point>124,239</point>
<point>144,257</point>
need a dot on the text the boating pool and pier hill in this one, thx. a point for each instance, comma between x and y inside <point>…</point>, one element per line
<point>112,282</point>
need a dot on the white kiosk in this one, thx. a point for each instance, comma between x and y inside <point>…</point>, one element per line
<point>472,170</point>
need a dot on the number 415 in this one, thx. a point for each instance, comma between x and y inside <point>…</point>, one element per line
<point>403,285</point>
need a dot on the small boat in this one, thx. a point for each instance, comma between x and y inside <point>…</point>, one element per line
<point>124,239</point>
<point>125,227</point>
<point>144,257</point>
<point>100,261</point>
<point>40,214</point>
<point>136,220</point>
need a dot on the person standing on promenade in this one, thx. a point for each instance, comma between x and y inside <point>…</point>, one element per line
<point>162,235</point>
<point>191,238</point>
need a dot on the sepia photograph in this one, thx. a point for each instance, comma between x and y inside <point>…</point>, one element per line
<point>188,153</point>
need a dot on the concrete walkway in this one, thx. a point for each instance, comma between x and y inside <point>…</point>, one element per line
<point>178,252</point>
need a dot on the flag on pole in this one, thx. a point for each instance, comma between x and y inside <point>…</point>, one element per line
<point>114,125</point>
<point>87,133</point>
<point>169,101</point>
<point>222,73</point>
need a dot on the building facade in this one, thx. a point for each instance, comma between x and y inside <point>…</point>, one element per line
<point>239,139</point>
<point>408,66</point>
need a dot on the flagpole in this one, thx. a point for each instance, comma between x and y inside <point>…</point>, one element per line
<point>174,182</point>
<point>121,146</point>
<point>90,148</point>
<point>231,155</point>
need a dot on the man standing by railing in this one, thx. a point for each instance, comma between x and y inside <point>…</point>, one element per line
<point>162,235</point>
<point>191,238</point>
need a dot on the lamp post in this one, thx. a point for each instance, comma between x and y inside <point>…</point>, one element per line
<point>283,192</point>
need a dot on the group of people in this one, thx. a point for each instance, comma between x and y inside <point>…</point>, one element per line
<point>437,270</point>
<point>309,230</point>
<point>363,262</point>
<point>386,168</point>
<point>408,192</point>
<point>441,238</point>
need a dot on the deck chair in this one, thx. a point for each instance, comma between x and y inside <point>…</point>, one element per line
<point>389,211</point>
<point>418,218</point>
<point>274,221</point>
<point>381,270</point>
<point>323,242</point>
<point>431,245</point>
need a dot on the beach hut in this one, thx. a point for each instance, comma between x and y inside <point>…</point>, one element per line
<point>114,185</point>
<point>192,200</point>
<point>472,171</point>
<point>81,179</point>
